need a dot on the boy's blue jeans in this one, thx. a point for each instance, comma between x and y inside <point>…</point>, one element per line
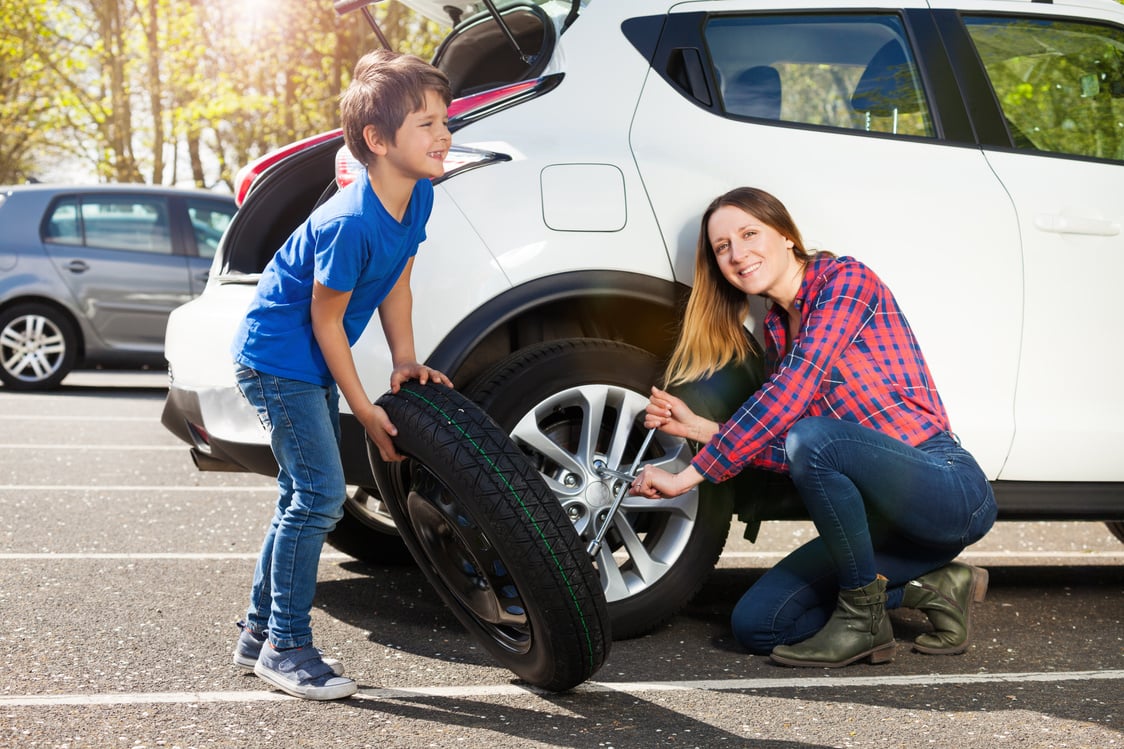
<point>880,507</point>
<point>303,423</point>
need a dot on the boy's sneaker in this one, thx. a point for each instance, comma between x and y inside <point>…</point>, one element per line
<point>248,647</point>
<point>301,672</point>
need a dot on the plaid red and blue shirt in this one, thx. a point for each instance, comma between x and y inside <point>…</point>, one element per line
<point>855,358</point>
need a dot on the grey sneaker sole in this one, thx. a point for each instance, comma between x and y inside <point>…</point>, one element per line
<point>345,687</point>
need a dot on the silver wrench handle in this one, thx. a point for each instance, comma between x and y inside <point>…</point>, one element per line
<point>595,545</point>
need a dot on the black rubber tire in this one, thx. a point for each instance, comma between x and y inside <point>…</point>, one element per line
<point>1116,528</point>
<point>491,538</point>
<point>363,534</point>
<point>638,601</point>
<point>36,326</point>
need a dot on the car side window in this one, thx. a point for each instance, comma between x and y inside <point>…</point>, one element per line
<point>131,223</point>
<point>842,71</point>
<point>1060,83</point>
<point>209,219</point>
<point>62,225</point>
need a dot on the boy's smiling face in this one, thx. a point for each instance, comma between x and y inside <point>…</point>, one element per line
<point>422,142</point>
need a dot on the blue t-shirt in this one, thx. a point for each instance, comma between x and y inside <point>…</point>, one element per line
<point>350,243</point>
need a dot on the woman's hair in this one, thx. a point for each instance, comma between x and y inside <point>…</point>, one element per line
<point>385,88</point>
<point>713,333</point>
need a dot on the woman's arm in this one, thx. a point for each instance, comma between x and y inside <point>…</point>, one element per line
<point>839,312</point>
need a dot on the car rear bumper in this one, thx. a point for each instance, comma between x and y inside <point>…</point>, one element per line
<point>221,427</point>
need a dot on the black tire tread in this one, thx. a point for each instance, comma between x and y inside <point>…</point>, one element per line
<point>527,523</point>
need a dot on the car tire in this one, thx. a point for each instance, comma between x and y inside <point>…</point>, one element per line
<point>1116,528</point>
<point>657,555</point>
<point>491,538</point>
<point>38,347</point>
<point>367,530</point>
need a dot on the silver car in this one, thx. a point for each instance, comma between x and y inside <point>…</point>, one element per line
<point>89,274</point>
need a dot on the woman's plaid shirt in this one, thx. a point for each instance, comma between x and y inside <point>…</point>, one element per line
<point>855,359</point>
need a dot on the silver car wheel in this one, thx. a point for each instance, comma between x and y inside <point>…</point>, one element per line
<point>578,430</point>
<point>37,347</point>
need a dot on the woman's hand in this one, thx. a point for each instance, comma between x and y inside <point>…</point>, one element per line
<point>672,416</point>
<point>656,483</point>
<point>414,371</point>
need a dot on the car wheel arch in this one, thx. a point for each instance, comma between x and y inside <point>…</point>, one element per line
<point>76,322</point>
<point>567,305</point>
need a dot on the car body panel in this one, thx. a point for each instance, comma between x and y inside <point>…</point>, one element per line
<point>102,284</point>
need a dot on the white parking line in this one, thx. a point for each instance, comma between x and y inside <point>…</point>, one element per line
<point>75,448</point>
<point>207,556</point>
<point>1080,556</point>
<point>74,419</point>
<point>134,488</point>
<point>590,687</point>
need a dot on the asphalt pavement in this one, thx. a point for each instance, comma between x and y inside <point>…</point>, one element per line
<point>123,570</point>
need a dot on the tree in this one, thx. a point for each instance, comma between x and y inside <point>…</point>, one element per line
<point>33,109</point>
<point>136,89</point>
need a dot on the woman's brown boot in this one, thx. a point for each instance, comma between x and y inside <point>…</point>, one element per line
<point>944,595</point>
<point>857,628</point>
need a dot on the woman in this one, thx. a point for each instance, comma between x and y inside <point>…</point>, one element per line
<point>850,412</point>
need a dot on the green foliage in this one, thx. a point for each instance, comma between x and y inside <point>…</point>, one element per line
<point>171,91</point>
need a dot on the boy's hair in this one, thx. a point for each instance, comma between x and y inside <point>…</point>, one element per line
<point>386,87</point>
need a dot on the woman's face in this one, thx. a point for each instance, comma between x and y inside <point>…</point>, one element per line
<point>755,258</point>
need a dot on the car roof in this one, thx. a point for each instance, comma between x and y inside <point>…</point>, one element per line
<point>109,189</point>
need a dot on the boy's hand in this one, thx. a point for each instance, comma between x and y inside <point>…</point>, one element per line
<point>377,424</point>
<point>414,371</point>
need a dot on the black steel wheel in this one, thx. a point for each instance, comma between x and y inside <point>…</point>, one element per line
<point>492,539</point>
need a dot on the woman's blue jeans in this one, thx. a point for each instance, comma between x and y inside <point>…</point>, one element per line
<point>880,507</point>
<point>304,432</point>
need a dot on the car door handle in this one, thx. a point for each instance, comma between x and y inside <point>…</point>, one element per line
<point>77,266</point>
<point>1076,225</point>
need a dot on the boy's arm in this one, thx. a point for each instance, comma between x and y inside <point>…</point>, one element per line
<point>396,316</point>
<point>328,307</point>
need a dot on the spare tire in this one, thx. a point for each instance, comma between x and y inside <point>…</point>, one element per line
<point>492,539</point>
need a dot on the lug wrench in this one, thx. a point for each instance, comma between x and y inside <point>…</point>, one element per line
<point>625,478</point>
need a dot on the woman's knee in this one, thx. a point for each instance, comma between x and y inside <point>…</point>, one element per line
<point>805,439</point>
<point>752,627</point>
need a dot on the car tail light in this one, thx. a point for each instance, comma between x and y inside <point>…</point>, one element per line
<point>459,159</point>
<point>247,174</point>
<point>485,102</point>
<point>462,111</point>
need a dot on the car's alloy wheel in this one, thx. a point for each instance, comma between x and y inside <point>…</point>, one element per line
<point>491,539</point>
<point>574,406</point>
<point>38,347</point>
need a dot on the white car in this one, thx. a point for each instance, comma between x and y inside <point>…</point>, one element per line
<point>970,151</point>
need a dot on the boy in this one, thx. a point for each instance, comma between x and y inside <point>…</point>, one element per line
<point>352,256</point>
